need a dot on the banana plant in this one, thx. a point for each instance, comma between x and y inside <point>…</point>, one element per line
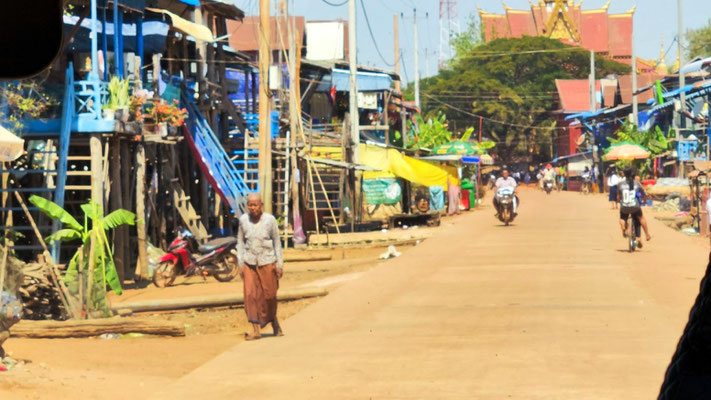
<point>94,259</point>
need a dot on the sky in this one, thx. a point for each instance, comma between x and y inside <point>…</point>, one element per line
<point>655,21</point>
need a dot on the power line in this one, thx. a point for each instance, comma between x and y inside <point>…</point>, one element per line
<point>404,66</point>
<point>375,43</point>
<point>335,4</point>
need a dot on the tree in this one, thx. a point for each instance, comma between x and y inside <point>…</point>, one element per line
<point>699,41</point>
<point>466,41</point>
<point>511,84</point>
<point>94,259</point>
<point>653,140</point>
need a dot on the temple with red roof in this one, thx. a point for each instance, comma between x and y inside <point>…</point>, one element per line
<point>597,30</point>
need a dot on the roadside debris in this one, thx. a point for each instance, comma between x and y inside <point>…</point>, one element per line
<point>391,253</point>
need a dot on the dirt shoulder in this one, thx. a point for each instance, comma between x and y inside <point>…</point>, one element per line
<point>127,367</point>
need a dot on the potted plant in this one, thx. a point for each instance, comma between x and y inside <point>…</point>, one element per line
<point>167,115</point>
<point>119,100</point>
<point>137,102</point>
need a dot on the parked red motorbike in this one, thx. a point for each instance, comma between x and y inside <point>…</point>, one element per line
<point>216,258</point>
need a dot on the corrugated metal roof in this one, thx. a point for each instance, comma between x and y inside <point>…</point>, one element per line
<point>574,94</point>
<point>244,35</point>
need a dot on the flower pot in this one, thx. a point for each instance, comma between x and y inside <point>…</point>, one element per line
<point>161,129</point>
<point>122,114</point>
<point>109,114</point>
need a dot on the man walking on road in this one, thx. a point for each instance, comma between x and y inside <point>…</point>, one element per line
<point>261,265</point>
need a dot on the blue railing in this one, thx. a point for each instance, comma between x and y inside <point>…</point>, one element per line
<point>63,150</point>
<point>217,163</point>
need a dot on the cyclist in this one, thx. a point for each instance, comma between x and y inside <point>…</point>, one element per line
<point>630,205</point>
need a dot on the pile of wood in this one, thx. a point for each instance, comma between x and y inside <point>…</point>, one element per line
<point>39,296</point>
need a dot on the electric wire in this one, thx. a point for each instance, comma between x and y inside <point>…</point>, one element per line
<point>372,36</point>
<point>335,4</point>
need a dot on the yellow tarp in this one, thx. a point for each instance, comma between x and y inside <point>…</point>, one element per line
<point>391,162</point>
<point>414,170</point>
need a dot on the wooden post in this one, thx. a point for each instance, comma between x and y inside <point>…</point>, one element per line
<point>97,173</point>
<point>265,155</point>
<point>142,267</point>
<point>115,204</point>
<point>156,73</point>
<point>396,36</point>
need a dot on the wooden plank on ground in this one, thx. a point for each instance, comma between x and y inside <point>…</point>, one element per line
<point>210,301</point>
<point>96,327</point>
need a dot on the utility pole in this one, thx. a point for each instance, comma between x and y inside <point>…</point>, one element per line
<point>682,78</point>
<point>417,64</point>
<point>635,104</point>
<point>353,99</point>
<point>265,153</point>
<point>396,37</point>
<point>593,107</point>
<point>682,61</point>
<point>593,100</point>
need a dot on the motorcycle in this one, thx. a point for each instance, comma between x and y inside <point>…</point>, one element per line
<point>505,205</point>
<point>548,186</point>
<point>217,258</point>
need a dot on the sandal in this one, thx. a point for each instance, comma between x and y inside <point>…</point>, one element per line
<point>248,337</point>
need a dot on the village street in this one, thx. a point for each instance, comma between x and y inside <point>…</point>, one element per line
<point>549,308</point>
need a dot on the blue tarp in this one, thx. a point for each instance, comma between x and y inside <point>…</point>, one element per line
<point>191,2</point>
<point>366,81</point>
<point>154,35</point>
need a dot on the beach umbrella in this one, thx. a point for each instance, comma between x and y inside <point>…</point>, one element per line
<point>11,146</point>
<point>626,151</point>
<point>459,147</point>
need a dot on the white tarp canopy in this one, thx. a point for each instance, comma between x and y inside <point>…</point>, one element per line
<point>11,146</point>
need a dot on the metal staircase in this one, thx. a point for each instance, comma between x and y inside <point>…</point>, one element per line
<point>213,160</point>
<point>43,172</point>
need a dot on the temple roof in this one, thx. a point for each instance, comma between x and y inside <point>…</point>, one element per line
<point>596,30</point>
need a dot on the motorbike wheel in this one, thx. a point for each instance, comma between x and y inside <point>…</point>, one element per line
<point>164,274</point>
<point>228,268</point>
<point>506,217</point>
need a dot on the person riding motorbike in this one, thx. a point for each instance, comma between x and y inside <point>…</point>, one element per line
<point>548,175</point>
<point>628,191</point>
<point>506,182</point>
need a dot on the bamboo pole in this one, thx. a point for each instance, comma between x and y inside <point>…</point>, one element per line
<point>64,295</point>
<point>313,196</point>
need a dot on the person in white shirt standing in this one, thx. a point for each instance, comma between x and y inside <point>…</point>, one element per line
<point>612,181</point>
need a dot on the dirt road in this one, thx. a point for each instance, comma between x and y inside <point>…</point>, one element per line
<point>550,308</point>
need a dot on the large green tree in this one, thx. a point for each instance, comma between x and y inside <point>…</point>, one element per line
<point>699,41</point>
<point>511,83</point>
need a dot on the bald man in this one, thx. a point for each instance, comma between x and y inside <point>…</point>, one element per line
<point>260,265</point>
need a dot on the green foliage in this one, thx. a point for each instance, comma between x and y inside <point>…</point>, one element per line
<point>496,81</point>
<point>104,271</point>
<point>118,93</point>
<point>431,133</point>
<point>699,41</point>
<point>653,140</point>
<point>26,100</point>
<point>466,41</point>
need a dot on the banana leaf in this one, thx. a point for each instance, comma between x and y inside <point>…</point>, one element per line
<point>63,235</point>
<point>54,211</point>
<point>92,210</point>
<point>118,218</point>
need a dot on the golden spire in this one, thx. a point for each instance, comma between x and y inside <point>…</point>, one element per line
<point>661,67</point>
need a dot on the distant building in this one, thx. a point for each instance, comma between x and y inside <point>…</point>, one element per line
<point>244,35</point>
<point>597,30</point>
